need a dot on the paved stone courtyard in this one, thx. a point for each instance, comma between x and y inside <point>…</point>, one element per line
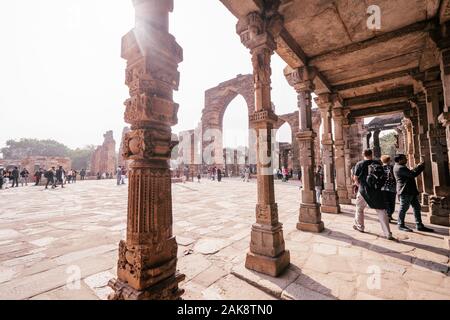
<point>51,238</point>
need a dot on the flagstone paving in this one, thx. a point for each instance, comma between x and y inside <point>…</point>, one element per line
<point>62,244</point>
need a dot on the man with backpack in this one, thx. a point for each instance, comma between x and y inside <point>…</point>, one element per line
<point>50,176</point>
<point>408,193</point>
<point>390,186</point>
<point>370,178</point>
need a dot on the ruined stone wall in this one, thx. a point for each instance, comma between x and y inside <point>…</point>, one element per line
<point>103,159</point>
<point>121,161</point>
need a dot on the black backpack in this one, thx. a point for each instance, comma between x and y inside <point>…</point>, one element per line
<point>376,177</point>
<point>46,174</point>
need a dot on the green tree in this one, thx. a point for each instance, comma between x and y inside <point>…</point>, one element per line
<point>388,143</point>
<point>81,156</point>
<point>33,147</point>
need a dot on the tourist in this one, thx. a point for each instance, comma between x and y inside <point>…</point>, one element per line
<point>38,176</point>
<point>214,172</point>
<point>50,176</point>
<point>408,193</point>
<point>199,177</point>
<point>285,174</point>
<point>69,176</point>
<point>74,176</point>
<point>99,177</point>
<point>247,174</point>
<point>2,173</point>
<point>219,175</point>
<point>83,174</point>
<point>124,175</point>
<point>119,175</point>
<point>60,176</point>
<point>389,189</point>
<point>318,183</point>
<point>24,174</point>
<point>15,177</point>
<point>370,178</point>
<point>6,175</point>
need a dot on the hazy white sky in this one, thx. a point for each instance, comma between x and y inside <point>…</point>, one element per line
<point>61,75</point>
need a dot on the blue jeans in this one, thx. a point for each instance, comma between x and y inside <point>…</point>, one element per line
<point>405,202</point>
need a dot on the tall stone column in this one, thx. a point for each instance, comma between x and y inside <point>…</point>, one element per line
<point>350,137</point>
<point>409,141</point>
<point>366,140</point>
<point>330,201</point>
<point>316,123</point>
<point>439,202</point>
<point>424,150</point>
<point>310,218</point>
<point>376,144</point>
<point>413,117</point>
<point>400,136</point>
<point>148,258</point>
<point>267,249</point>
<point>339,144</point>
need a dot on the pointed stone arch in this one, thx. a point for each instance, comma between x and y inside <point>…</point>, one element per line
<point>217,100</point>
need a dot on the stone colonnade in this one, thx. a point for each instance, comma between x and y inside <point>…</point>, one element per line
<point>148,256</point>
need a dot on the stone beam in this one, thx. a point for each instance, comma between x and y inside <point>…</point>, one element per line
<point>423,26</point>
<point>382,98</point>
<point>380,110</point>
<point>374,80</point>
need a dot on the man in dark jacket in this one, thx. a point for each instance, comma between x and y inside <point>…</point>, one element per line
<point>369,197</point>
<point>15,177</point>
<point>60,173</point>
<point>50,176</point>
<point>408,193</point>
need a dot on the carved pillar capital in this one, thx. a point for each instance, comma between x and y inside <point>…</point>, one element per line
<point>302,78</point>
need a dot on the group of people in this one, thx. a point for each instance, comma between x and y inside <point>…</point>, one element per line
<point>14,177</point>
<point>54,177</point>
<point>378,186</point>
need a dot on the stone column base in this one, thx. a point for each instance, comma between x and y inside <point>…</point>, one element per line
<point>268,265</point>
<point>311,227</point>
<point>345,201</point>
<point>330,209</point>
<point>164,290</point>
<point>330,202</point>
<point>441,221</point>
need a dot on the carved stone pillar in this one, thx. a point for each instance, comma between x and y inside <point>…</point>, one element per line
<point>409,141</point>
<point>267,249</point>
<point>147,259</point>
<point>350,138</point>
<point>376,144</point>
<point>366,141</point>
<point>413,117</point>
<point>316,123</point>
<point>339,144</point>
<point>330,201</point>
<point>424,150</point>
<point>310,218</point>
<point>439,202</point>
<point>400,136</point>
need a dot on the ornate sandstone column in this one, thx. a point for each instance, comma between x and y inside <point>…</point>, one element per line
<point>267,250</point>
<point>439,202</point>
<point>330,201</point>
<point>339,144</point>
<point>409,141</point>
<point>376,144</point>
<point>413,116</point>
<point>310,218</point>
<point>147,259</point>
<point>424,149</point>
<point>350,138</point>
<point>316,123</point>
